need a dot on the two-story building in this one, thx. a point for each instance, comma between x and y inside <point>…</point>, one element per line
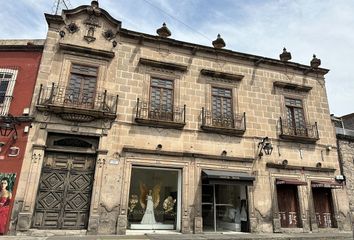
<point>200,138</point>
<point>19,64</point>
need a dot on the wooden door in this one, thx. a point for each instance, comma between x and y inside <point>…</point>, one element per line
<point>82,86</point>
<point>161,99</point>
<point>65,188</point>
<point>322,199</point>
<point>288,206</point>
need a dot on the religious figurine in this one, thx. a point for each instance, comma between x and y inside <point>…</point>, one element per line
<point>155,193</point>
<point>169,204</point>
<point>149,217</point>
<point>132,202</point>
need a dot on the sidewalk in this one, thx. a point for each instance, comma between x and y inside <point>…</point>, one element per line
<point>246,236</point>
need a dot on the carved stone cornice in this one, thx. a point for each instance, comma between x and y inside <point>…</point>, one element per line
<point>186,154</point>
<point>304,168</point>
<point>222,75</point>
<point>292,86</point>
<point>86,51</point>
<point>165,65</point>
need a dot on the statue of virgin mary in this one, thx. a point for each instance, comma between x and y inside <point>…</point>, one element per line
<point>149,217</point>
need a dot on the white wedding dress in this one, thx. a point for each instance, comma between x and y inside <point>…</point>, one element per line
<point>149,217</point>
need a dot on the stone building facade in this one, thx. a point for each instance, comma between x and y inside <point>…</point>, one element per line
<point>140,132</point>
<point>345,146</point>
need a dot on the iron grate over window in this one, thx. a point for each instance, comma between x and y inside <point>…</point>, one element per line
<point>222,114</point>
<point>8,75</point>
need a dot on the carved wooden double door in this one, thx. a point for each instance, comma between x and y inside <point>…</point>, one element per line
<point>288,204</point>
<point>64,194</point>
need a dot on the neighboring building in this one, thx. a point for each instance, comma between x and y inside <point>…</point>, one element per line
<point>19,64</point>
<point>345,144</point>
<point>207,139</point>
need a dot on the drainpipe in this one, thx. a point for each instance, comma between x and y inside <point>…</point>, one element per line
<point>340,156</point>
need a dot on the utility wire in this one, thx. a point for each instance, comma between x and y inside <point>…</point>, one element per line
<point>57,5</point>
<point>203,35</point>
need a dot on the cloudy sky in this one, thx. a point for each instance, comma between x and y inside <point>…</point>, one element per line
<point>260,27</point>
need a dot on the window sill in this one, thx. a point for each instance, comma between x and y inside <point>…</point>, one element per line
<point>302,139</point>
<point>223,130</point>
<point>160,123</point>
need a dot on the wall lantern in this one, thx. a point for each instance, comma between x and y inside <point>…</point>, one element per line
<point>8,126</point>
<point>265,146</point>
<point>62,34</point>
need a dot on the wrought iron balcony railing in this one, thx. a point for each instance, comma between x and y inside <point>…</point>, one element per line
<point>344,131</point>
<point>305,133</point>
<point>230,124</point>
<point>77,105</point>
<point>160,116</point>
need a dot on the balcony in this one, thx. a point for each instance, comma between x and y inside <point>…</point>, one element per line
<point>226,124</point>
<point>162,116</point>
<point>82,106</point>
<point>344,131</point>
<point>307,133</point>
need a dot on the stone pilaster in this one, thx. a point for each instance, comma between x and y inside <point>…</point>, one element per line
<point>96,192</point>
<point>25,215</point>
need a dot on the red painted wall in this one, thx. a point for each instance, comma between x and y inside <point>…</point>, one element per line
<point>27,64</point>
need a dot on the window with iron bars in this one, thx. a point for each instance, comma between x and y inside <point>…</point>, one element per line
<point>7,82</point>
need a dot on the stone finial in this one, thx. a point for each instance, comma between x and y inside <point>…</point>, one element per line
<point>163,31</point>
<point>219,42</point>
<point>315,62</point>
<point>285,56</point>
<point>94,4</point>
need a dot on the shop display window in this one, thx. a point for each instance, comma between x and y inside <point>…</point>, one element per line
<point>154,199</point>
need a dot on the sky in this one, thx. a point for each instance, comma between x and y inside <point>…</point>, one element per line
<point>258,27</point>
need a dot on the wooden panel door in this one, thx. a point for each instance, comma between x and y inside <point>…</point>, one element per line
<point>82,86</point>
<point>288,206</point>
<point>322,199</point>
<point>65,188</point>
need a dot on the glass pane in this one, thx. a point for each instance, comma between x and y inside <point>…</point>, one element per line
<point>153,199</point>
<point>293,102</point>
<point>161,100</point>
<point>231,207</point>
<point>84,70</point>
<point>208,208</point>
<point>162,83</point>
<point>221,102</point>
<point>3,89</point>
<point>230,212</point>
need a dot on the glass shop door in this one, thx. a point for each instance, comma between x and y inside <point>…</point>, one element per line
<point>224,208</point>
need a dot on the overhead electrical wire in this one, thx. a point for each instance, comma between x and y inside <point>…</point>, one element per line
<point>175,18</point>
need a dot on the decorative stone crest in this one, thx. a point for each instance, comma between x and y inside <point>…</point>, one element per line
<point>109,34</point>
<point>72,27</point>
<point>92,21</point>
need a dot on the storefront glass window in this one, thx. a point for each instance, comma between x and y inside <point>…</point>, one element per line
<point>153,198</point>
<point>224,208</point>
